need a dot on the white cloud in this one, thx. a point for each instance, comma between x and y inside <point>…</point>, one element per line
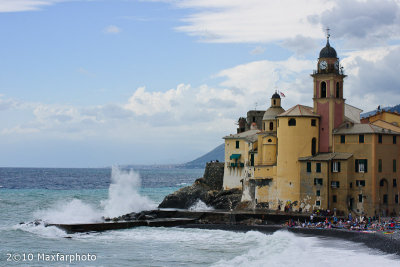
<point>112,29</point>
<point>373,77</point>
<point>252,20</point>
<point>24,5</point>
<point>296,24</point>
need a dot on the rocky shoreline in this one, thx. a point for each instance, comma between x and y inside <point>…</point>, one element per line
<point>207,189</point>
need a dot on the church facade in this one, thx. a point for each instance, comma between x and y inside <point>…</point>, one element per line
<point>319,157</point>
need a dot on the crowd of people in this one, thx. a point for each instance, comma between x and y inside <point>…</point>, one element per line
<point>356,223</point>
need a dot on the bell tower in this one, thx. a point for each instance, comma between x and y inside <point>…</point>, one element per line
<point>328,94</point>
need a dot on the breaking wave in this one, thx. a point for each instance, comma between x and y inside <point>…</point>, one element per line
<point>123,197</point>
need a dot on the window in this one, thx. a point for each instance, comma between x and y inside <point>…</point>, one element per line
<point>335,184</point>
<point>342,139</point>
<point>254,119</point>
<point>396,199</point>
<point>336,166</point>
<point>274,102</point>
<point>382,182</point>
<point>237,144</point>
<point>313,146</point>
<point>394,182</point>
<point>334,198</point>
<point>318,165</point>
<point>317,181</point>
<point>318,193</point>
<point>337,90</point>
<point>318,203</point>
<point>379,138</point>
<point>323,90</point>
<point>360,197</point>
<point>313,122</point>
<point>308,166</point>
<point>379,165</point>
<point>361,138</point>
<point>292,122</point>
<point>351,185</point>
<point>394,139</point>
<point>385,199</point>
<point>271,126</point>
<point>394,165</point>
<point>269,140</point>
<point>361,165</point>
<point>360,183</point>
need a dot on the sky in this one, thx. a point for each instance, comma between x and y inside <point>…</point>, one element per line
<point>92,83</point>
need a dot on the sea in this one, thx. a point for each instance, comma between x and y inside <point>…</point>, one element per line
<point>32,197</point>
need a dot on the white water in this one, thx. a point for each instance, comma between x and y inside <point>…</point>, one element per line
<point>199,247</point>
<point>199,206</point>
<point>123,198</point>
<point>123,195</point>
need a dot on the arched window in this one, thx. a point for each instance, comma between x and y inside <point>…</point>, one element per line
<point>337,90</point>
<point>271,126</point>
<point>274,102</point>
<point>314,146</point>
<point>323,90</point>
<point>292,122</point>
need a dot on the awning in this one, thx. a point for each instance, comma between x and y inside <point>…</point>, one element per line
<point>235,156</point>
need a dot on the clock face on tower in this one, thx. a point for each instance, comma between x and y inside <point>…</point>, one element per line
<point>337,64</point>
<point>323,65</point>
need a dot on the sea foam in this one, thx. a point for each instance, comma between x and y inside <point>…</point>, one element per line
<point>123,197</point>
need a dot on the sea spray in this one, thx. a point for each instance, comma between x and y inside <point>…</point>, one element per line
<point>200,206</point>
<point>123,195</point>
<point>74,211</point>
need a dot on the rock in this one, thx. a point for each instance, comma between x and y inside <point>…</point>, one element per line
<point>226,199</point>
<point>207,189</point>
<point>214,175</point>
<point>185,197</point>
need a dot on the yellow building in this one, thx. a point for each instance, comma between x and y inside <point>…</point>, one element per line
<point>319,157</point>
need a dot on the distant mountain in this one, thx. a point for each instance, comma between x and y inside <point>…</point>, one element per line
<point>373,112</point>
<point>217,153</point>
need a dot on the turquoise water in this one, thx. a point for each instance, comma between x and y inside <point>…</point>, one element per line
<point>60,198</point>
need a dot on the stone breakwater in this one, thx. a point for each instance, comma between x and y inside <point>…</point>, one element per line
<point>207,189</point>
<point>241,221</point>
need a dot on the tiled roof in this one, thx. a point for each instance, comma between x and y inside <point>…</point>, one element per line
<point>386,125</point>
<point>299,111</point>
<point>327,157</point>
<point>250,136</point>
<point>362,128</point>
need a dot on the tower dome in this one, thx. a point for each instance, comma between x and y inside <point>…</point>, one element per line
<point>276,95</point>
<point>328,51</point>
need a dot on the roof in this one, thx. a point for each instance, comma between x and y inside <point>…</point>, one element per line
<point>249,136</point>
<point>276,95</point>
<point>328,51</point>
<point>352,113</point>
<point>327,157</point>
<point>272,112</point>
<point>386,125</point>
<point>299,111</point>
<point>363,128</point>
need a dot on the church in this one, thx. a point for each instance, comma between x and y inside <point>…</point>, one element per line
<point>319,157</point>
